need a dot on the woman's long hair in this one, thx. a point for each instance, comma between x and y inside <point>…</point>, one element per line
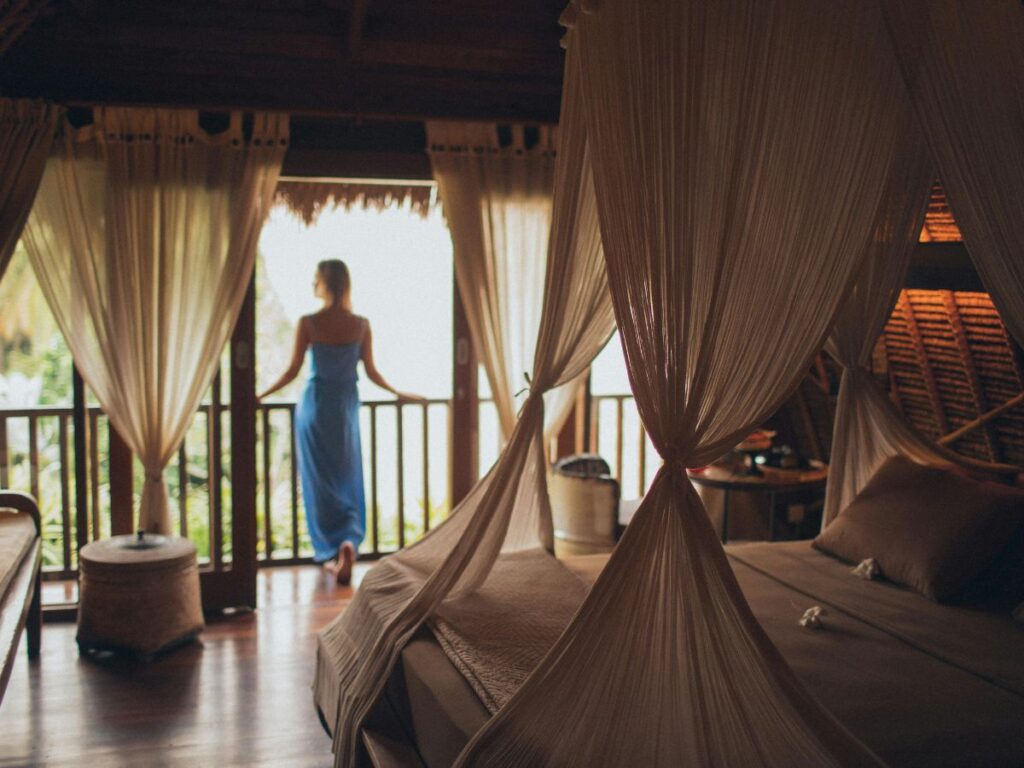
<point>334,275</point>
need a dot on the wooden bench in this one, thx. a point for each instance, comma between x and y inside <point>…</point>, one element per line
<point>20,599</point>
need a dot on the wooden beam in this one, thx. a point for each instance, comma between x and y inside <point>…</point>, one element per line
<point>302,67</point>
<point>942,266</point>
<point>983,420</point>
<point>16,16</point>
<point>342,164</point>
<point>924,365</point>
<point>280,85</point>
<point>356,23</point>
<point>971,373</point>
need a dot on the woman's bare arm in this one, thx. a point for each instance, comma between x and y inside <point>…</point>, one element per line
<point>298,354</point>
<point>375,376</point>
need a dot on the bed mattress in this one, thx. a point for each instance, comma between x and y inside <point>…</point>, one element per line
<point>921,684</point>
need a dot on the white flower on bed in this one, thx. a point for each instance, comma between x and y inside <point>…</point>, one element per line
<point>812,617</point>
<point>867,569</point>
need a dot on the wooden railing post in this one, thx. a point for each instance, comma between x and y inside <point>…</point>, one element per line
<point>80,420</point>
<point>243,452</point>
<point>465,413</point>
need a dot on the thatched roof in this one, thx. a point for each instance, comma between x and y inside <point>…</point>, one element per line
<point>939,226</point>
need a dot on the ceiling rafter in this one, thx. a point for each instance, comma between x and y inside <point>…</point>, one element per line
<point>16,16</point>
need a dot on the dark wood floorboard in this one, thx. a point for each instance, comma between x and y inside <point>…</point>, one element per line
<point>241,697</point>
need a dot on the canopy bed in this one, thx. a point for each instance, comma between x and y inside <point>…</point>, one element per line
<point>885,662</point>
<point>695,191</point>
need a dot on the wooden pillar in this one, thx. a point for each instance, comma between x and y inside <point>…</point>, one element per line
<point>122,484</point>
<point>572,438</point>
<point>465,415</point>
<point>243,453</point>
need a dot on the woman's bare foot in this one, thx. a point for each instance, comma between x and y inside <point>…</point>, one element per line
<point>346,557</point>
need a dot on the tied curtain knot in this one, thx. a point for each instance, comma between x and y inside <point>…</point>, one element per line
<point>676,462</point>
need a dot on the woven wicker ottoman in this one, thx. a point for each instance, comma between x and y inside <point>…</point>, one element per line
<point>138,594</point>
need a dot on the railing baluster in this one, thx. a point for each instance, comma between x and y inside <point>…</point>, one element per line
<point>449,420</point>
<point>373,478</point>
<point>65,478</point>
<point>5,480</point>
<point>294,467</point>
<point>33,456</point>
<point>268,532</point>
<point>94,473</point>
<point>400,439</point>
<point>618,439</point>
<point>66,525</point>
<point>595,426</point>
<point>214,471</point>
<point>641,481</point>
<point>183,488</point>
<point>426,467</point>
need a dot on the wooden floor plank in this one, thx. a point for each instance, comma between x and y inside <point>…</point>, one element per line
<point>241,697</point>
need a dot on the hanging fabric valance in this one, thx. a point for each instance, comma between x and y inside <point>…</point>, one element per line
<point>143,238</point>
<point>27,129</point>
<point>495,187</point>
<point>308,199</point>
<point>508,510</point>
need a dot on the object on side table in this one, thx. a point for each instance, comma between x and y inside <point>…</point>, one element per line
<point>584,506</point>
<point>138,594</point>
<point>800,487</point>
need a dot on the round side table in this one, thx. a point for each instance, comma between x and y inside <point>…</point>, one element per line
<point>138,594</point>
<point>774,484</point>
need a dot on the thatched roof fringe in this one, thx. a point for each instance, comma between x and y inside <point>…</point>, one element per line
<point>307,199</point>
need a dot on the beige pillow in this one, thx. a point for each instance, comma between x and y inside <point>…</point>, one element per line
<point>930,528</point>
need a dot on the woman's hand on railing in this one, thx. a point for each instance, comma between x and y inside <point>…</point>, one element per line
<point>405,398</point>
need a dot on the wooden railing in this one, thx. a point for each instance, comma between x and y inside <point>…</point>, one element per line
<point>37,455</point>
<point>396,442</point>
<point>616,433</point>
<point>406,464</point>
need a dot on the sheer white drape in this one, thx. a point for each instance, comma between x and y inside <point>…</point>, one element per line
<point>508,510</point>
<point>497,200</point>
<point>963,62</point>
<point>143,238</point>
<point>739,149</point>
<point>867,428</point>
<point>27,129</point>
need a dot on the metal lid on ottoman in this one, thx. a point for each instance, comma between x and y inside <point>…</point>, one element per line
<point>125,557</point>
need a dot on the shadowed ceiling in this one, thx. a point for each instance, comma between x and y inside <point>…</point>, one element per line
<point>395,59</point>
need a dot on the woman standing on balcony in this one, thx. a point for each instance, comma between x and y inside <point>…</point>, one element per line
<point>327,419</point>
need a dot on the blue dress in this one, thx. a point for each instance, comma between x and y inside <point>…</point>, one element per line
<point>330,456</point>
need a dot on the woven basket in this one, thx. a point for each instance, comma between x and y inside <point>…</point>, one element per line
<point>138,599</point>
